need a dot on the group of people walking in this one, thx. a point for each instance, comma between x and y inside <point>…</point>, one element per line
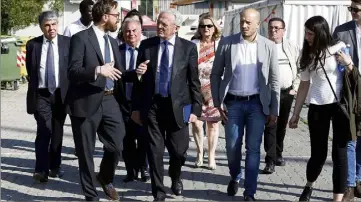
<point>140,95</point>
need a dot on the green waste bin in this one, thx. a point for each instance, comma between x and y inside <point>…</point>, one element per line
<point>9,72</point>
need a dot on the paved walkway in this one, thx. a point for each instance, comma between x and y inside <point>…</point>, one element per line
<point>17,163</point>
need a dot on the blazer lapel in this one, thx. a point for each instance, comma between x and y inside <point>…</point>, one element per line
<point>115,49</point>
<point>38,48</point>
<point>234,50</point>
<point>61,52</point>
<point>177,56</point>
<point>260,52</point>
<point>154,56</point>
<point>122,57</point>
<point>352,33</point>
<point>94,42</point>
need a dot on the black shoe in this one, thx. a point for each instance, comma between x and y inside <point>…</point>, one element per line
<point>358,190</point>
<point>129,178</point>
<point>232,188</point>
<point>144,175</point>
<point>249,198</point>
<point>162,198</point>
<point>349,194</point>
<point>177,187</point>
<point>269,169</point>
<point>280,162</point>
<point>40,177</point>
<point>306,194</point>
<point>58,172</point>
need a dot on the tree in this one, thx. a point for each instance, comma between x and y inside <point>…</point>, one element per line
<point>17,14</point>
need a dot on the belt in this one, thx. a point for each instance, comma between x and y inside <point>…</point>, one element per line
<point>241,98</point>
<point>108,92</point>
<point>287,90</point>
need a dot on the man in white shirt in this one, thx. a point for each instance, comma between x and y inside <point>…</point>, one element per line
<point>287,59</point>
<point>246,92</point>
<point>350,33</point>
<point>47,67</point>
<point>84,22</point>
<point>134,142</point>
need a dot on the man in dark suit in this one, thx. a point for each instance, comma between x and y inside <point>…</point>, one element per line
<point>94,100</point>
<point>350,33</point>
<point>170,83</point>
<point>134,143</point>
<point>46,64</point>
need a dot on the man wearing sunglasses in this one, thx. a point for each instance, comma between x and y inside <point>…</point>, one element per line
<point>350,33</point>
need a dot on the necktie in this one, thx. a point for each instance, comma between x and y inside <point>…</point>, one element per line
<point>129,86</point>
<point>107,59</point>
<point>164,70</point>
<point>50,69</point>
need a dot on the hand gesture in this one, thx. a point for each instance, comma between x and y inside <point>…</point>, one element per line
<point>271,119</point>
<point>223,114</point>
<point>192,119</point>
<point>142,68</point>
<point>293,123</point>
<point>344,60</point>
<point>136,117</point>
<point>109,71</point>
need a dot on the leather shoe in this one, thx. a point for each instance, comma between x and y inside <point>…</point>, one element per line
<point>40,177</point>
<point>177,187</point>
<point>129,178</point>
<point>162,198</point>
<point>280,162</point>
<point>58,172</point>
<point>269,169</point>
<point>108,189</point>
<point>232,188</point>
<point>306,194</point>
<point>358,190</point>
<point>249,198</point>
<point>144,175</point>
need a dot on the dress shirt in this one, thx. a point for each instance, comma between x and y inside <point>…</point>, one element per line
<point>44,53</point>
<point>286,75</point>
<point>358,39</point>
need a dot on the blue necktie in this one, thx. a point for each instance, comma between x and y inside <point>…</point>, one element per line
<point>50,69</point>
<point>164,71</point>
<point>129,86</point>
<point>107,59</point>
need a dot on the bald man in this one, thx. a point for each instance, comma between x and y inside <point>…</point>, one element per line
<point>248,97</point>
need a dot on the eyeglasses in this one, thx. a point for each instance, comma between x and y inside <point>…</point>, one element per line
<point>113,14</point>
<point>353,9</point>
<point>204,26</point>
<point>275,28</point>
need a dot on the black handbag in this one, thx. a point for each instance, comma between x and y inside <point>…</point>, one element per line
<point>342,107</point>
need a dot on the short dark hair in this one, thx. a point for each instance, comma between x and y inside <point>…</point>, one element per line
<point>356,1</point>
<point>101,8</point>
<point>278,20</point>
<point>134,12</point>
<point>84,5</point>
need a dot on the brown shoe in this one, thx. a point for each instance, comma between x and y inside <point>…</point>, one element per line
<point>357,192</point>
<point>349,194</point>
<point>108,189</point>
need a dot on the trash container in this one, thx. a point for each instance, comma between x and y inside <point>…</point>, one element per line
<point>9,72</point>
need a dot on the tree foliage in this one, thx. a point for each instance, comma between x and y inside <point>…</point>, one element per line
<point>18,14</point>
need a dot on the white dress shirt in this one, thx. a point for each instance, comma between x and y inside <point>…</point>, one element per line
<point>171,44</point>
<point>286,75</point>
<point>358,39</point>
<point>44,53</point>
<point>75,27</point>
<point>245,76</point>
<point>100,36</point>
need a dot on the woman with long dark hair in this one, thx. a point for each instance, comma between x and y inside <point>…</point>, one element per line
<point>322,81</point>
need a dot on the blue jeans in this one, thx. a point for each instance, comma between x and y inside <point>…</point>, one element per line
<point>241,115</point>
<point>354,162</point>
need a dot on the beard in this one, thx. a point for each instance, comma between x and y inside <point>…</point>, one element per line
<point>110,27</point>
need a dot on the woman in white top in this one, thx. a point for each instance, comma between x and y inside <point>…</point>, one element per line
<point>318,57</point>
<point>206,39</point>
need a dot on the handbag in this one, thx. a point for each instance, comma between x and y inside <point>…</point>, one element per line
<point>341,107</point>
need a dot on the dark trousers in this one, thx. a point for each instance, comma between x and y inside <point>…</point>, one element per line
<point>319,118</point>
<point>163,131</point>
<point>50,117</point>
<point>134,148</point>
<point>274,135</point>
<point>107,122</point>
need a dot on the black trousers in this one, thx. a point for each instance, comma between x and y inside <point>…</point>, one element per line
<point>163,131</point>
<point>319,118</point>
<point>274,135</point>
<point>50,117</point>
<point>134,147</point>
<point>108,123</point>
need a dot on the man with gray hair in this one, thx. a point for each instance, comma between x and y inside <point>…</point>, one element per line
<point>134,142</point>
<point>166,99</point>
<point>47,65</point>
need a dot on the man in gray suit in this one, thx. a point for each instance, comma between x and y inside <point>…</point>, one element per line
<point>250,92</point>
<point>350,33</point>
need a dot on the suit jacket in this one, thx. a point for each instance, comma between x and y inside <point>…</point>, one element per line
<point>33,58</point>
<point>268,72</point>
<point>185,84</point>
<point>86,91</point>
<point>347,33</point>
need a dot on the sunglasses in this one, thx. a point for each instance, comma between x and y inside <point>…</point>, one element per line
<point>353,9</point>
<point>204,26</point>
